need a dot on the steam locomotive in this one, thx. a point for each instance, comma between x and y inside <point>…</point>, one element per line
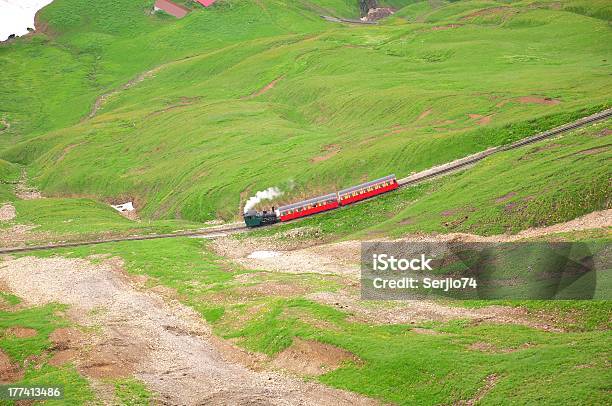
<point>344,197</point>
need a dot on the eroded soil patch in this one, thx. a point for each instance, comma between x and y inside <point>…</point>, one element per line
<point>9,372</point>
<point>164,344</point>
<point>21,332</point>
<point>308,357</point>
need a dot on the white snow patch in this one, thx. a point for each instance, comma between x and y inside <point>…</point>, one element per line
<point>124,207</point>
<point>264,254</point>
<point>16,16</point>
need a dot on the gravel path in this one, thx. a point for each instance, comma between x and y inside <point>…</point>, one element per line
<point>165,344</point>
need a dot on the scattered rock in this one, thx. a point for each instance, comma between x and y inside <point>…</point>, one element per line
<point>375,14</point>
<point>25,192</point>
<point>7,212</point>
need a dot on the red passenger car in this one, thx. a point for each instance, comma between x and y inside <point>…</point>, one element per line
<point>308,207</point>
<point>368,189</point>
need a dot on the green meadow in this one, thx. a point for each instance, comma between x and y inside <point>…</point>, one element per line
<point>248,95</point>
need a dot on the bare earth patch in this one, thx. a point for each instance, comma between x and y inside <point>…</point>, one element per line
<point>7,212</point>
<point>19,234</point>
<point>594,151</point>
<point>25,192</point>
<point>424,114</point>
<point>307,357</point>
<point>67,344</point>
<point>445,27</point>
<point>547,101</point>
<point>329,151</point>
<point>21,332</point>
<point>504,11</point>
<point>9,372</point>
<point>505,197</point>
<point>265,89</point>
<point>164,344</point>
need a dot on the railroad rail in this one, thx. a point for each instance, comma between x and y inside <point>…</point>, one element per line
<point>407,181</point>
<point>464,162</point>
<point>210,233</point>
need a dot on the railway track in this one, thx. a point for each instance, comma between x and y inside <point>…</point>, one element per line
<point>213,232</point>
<point>404,182</point>
<point>463,163</point>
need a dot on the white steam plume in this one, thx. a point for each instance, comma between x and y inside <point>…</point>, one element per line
<point>268,194</point>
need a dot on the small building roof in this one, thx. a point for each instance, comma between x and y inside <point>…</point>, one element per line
<point>171,8</point>
<point>206,3</point>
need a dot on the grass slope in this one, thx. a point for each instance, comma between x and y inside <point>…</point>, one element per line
<point>197,136</point>
<point>554,181</point>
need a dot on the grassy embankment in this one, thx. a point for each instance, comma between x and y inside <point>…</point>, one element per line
<point>349,102</point>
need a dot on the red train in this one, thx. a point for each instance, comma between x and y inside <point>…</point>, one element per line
<point>322,203</point>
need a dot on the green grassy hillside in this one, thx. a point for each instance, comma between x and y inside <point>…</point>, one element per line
<point>247,95</point>
<point>552,182</point>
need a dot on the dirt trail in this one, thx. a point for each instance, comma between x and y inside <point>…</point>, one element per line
<point>102,99</point>
<point>166,345</point>
<point>25,192</point>
<point>265,89</point>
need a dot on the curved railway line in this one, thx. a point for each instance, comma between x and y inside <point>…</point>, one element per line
<point>404,182</point>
